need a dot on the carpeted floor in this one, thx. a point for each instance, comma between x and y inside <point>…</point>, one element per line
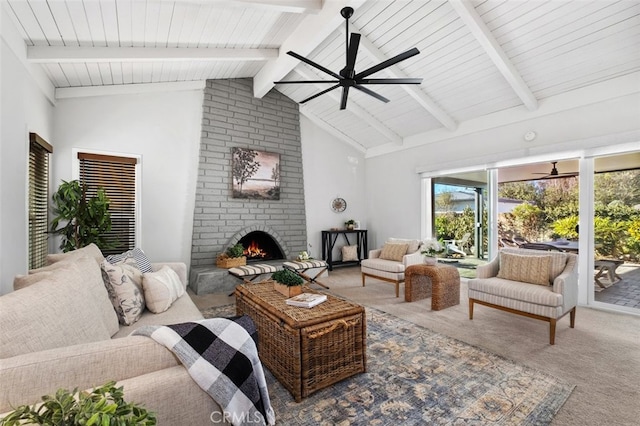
<point>416,376</point>
<point>601,356</point>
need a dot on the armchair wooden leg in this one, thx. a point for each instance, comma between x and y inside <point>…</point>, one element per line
<point>397,288</point>
<point>470,309</point>
<point>552,331</point>
<point>363,280</point>
<point>572,318</point>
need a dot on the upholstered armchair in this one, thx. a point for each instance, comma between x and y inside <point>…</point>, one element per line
<point>532,283</point>
<point>389,262</point>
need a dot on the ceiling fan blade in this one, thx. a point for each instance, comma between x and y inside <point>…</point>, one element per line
<point>382,65</point>
<point>306,81</point>
<point>352,53</point>
<point>371,93</point>
<point>313,64</point>
<point>320,93</point>
<point>345,95</point>
<point>390,81</point>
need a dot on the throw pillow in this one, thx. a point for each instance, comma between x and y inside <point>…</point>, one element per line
<point>393,251</point>
<point>161,289</point>
<point>141,260</point>
<point>349,253</point>
<point>414,245</point>
<point>526,269</point>
<point>124,285</point>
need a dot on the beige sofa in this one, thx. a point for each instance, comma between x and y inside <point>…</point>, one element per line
<point>61,331</point>
<point>533,283</point>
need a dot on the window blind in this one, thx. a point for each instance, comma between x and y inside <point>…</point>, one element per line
<point>117,176</point>
<point>39,151</point>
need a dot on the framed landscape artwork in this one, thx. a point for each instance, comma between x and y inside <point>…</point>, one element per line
<point>256,174</point>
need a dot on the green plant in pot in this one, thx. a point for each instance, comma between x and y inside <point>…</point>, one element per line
<point>86,220</point>
<point>350,224</point>
<point>235,251</point>
<point>104,405</point>
<point>287,282</point>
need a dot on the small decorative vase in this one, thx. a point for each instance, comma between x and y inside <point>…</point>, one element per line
<point>287,291</point>
<point>430,260</point>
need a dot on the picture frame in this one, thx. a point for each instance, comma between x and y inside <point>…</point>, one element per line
<point>356,225</point>
<point>255,174</point>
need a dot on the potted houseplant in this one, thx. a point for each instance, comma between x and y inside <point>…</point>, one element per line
<point>86,220</point>
<point>430,247</point>
<point>287,282</point>
<point>350,224</point>
<point>103,405</point>
<point>232,257</point>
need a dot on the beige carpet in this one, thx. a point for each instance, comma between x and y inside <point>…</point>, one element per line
<point>601,355</point>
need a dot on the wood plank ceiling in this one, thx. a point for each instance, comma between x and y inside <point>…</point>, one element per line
<point>478,57</point>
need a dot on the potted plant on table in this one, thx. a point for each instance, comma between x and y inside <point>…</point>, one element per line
<point>431,247</point>
<point>287,282</point>
<point>350,224</point>
<point>232,257</point>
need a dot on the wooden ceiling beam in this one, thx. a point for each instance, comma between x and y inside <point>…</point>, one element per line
<point>481,32</point>
<point>69,54</point>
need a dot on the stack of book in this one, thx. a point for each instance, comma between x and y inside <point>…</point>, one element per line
<point>306,300</point>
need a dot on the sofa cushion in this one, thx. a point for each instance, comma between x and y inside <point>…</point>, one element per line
<point>558,259</point>
<point>349,253</point>
<point>60,310</point>
<point>161,289</point>
<point>393,251</point>
<point>523,292</point>
<point>526,269</point>
<point>91,251</point>
<point>124,285</point>
<point>136,256</point>
<point>414,245</point>
<point>383,265</point>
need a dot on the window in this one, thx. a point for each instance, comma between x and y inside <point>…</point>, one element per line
<point>117,176</point>
<point>39,151</point>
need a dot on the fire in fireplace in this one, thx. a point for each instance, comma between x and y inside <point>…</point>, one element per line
<point>260,246</point>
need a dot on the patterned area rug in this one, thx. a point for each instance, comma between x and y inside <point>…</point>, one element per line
<point>416,376</point>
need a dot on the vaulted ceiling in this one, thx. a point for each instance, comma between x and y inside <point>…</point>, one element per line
<point>478,57</point>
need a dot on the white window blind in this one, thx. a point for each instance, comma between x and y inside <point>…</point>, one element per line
<point>117,176</point>
<point>39,151</point>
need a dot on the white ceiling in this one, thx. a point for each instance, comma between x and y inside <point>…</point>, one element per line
<point>478,57</point>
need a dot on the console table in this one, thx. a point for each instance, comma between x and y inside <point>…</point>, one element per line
<point>329,239</point>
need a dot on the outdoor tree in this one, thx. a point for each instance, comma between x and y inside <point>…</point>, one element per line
<point>444,201</point>
<point>244,165</point>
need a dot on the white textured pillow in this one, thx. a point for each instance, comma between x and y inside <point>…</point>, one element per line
<point>161,289</point>
<point>349,253</point>
<point>124,285</point>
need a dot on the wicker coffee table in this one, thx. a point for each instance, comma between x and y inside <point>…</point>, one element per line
<point>306,349</point>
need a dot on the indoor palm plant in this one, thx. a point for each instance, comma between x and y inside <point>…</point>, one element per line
<point>86,220</point>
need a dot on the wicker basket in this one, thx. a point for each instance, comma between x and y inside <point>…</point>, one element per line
<point>305,349</point>
<point>223,261</point>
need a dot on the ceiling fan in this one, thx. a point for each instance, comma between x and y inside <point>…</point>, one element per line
<point>554,172</point>
<point>347,77</point>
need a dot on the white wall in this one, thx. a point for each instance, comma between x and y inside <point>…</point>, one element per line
<point>24,108</point>
<point>394,183</point>
<point>331,169</point>
<point>164,129</point>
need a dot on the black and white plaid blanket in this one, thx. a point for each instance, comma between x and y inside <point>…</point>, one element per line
<point>221,356</point>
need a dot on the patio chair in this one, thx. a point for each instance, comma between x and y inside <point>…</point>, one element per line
<point>458,246</point>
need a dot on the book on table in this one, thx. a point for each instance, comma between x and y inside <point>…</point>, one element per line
<point>306,300</point>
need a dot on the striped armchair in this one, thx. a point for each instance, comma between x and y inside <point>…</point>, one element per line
<point>391,267</point>
<point>532,283</point>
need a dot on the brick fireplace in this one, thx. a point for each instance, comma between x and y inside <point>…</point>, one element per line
<point>232,117</point>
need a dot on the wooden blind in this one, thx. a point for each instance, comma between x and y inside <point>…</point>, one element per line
<point>117,176</point>
<point>39,151</point>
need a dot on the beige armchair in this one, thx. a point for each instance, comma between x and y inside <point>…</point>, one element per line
<point>389,262</point>
<point>532,283</point>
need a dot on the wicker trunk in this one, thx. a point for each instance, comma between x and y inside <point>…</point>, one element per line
<point>305,349</point>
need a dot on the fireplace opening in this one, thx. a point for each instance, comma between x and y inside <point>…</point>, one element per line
<point>260,246</point>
